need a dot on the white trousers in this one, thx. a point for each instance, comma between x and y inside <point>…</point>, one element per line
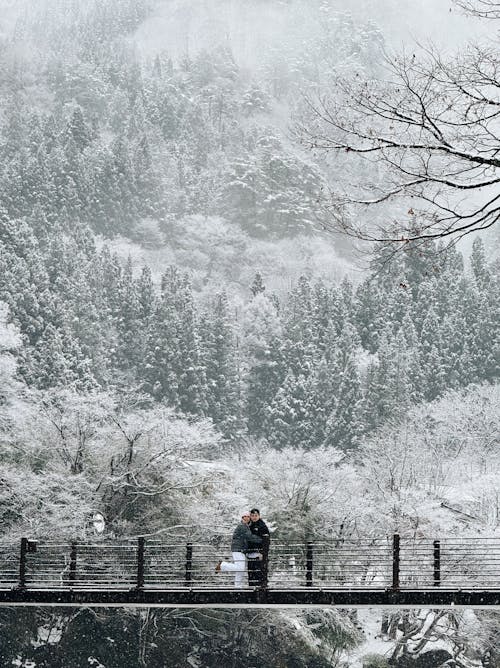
<point>238,566</point>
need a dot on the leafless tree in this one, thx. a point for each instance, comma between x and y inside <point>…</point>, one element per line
<point>431,130</point>
<point>486,9</point>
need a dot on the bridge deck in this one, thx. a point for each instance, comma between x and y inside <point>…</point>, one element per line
<point>389,571</point>
<point>240,598</point>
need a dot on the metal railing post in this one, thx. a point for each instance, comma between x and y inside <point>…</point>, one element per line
<point>395,561</point>
<point>140,562</point>
<point>189,562</point>
<point>437,563</point>
<point>266,540</point>
<point>22,563</point>
<point>309,564</point>
<point>72,562</point>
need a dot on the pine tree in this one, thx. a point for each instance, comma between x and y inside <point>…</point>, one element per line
<point>262,336</point>
<point>146,308</point>
<point>321,402</point>
<point>162,354</point>
<point>426,300</point>
<point>422,262</point>
<point>344,422</point>
<point>174,371</point>
<point>288,420</point>
<point>220,360</point>
<point>24,282</point>
<point>479,265</point>
<point>389,388</point>
<point>192,381</point>
<point>369,314</point>
<point>91,299</point>
<point>412,346</point>
<point>77,129</point>
<point>257,286</point>
<point>433,367</point>
<point>49,364</point>
<point>434,373</point>
<point>453,330</point>
<point>299,337</point>
<point>322,312</point>
<point>484,333</point>
<point>146,297</point>
<point>129,327</point>
<point>10,343</point>
<point>147,187</point>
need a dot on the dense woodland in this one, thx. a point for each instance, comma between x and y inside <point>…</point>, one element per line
<point>319,365</point>
<point>165,395</point>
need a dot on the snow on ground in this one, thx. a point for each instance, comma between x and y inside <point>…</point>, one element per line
<point>370,621</point>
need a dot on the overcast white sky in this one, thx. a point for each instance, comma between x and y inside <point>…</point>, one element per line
<point>252,25</point>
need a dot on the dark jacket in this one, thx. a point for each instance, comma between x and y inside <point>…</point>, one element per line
<point>259,528</point>
<point>243,539</point>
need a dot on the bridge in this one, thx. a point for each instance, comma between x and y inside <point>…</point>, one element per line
<point>386,571</point>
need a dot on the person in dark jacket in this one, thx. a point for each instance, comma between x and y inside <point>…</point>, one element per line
<point>242,540</point>
<point>257,561</point>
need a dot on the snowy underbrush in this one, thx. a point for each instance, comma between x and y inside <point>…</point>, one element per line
<point>145,468</point>
<point>425,639</point>
<point>214,252</point>
<point>436,472</point>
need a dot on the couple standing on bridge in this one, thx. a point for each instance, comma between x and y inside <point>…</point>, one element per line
<point>249,546</point>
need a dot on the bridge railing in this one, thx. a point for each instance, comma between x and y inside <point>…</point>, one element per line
<point>355,563</point>
<point>370,563</point>
<point>9,568</point>
<point>451,562</point>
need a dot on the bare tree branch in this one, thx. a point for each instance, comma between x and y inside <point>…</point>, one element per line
<point>431,134</point>
<point>486,9</point>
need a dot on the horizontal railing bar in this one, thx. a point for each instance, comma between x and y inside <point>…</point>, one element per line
<point>337,564</point>
<point>288,546</point>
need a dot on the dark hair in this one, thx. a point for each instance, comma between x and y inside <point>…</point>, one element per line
<point>255,510</point>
